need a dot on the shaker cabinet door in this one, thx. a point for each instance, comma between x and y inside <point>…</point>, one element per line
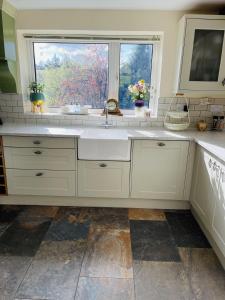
<point>203,60</point>
<point>159,169</point>
<point>205,185</point>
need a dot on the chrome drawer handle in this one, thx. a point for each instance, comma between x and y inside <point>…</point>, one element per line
<point>161,144</point>
<point>37,152</point>
<point>102,165</point>
<point>36,142</point>
<point>39,174</point>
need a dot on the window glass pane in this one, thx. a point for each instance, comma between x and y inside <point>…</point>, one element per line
<point>73,72</point>
<point>206,56</point>
<point>135,64</point>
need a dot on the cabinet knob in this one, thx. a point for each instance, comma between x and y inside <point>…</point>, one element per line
<point>37,152</point>
<point>160,144</point>
<point>102,165</point>
<point>214,166</point>
<point>223,82</point>
<point>39,174</point>
<point>36,142</point>
<point>210,163</point>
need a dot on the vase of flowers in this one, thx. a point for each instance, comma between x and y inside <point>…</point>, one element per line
<point>37,97</point>
<point>139,92</point>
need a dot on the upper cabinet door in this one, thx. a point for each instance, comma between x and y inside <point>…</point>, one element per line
<point>202,66</point>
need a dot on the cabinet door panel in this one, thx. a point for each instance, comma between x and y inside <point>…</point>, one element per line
<point>158,169</point>
<point>203,63</point>
<point>205,186</point>
<point>219,214</point>
<point>103,179</point>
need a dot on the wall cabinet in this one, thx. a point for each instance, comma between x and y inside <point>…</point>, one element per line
<point>208,195</point>
<point>159,169</point>
<point>103,179</point>
<point>201,55</point>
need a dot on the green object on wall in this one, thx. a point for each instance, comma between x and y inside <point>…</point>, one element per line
<point>8,66</point>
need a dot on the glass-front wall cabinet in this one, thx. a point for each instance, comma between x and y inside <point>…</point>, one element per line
<point>202,65</point>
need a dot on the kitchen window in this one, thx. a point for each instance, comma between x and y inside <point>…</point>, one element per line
<point>89,71</point>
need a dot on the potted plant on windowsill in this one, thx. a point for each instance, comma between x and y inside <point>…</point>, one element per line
<point>139,92</point>
<point>37,97</point>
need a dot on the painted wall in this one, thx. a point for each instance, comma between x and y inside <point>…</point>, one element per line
<point>163,21</point>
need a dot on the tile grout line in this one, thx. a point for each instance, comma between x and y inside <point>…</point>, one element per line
<point>132,260</point>
<point>75,293</point>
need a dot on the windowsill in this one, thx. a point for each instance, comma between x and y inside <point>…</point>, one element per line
<point>91,115</point>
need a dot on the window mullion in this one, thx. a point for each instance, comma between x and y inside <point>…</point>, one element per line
<point>114,53</point>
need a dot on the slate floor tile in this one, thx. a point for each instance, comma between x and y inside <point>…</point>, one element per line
<point>54,271</point>
<point>186,230</point>
<point>3,227</point>
<point>12,272</point>
<point>105,289</point>
<point>38,212</point>
<point>111,218</point>
<point>205,273</point>
<point>22,239</point>
<point>8,213</point>
<point>146,214</point>
<point>108,254</point>
<point>152,241</point>
<point>160,281</point>
<point>64,230</point>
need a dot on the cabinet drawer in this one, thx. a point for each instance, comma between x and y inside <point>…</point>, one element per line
<point>36,142</point>
<point>103,179</point>
<point>37,182</point>
<point>40,158</point>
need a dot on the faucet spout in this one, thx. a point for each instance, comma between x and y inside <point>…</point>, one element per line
<point>106,111</point>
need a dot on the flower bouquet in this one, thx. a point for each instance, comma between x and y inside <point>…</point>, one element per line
<point>139,92</point>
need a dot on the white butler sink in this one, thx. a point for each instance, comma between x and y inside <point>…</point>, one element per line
<point>104,144</point>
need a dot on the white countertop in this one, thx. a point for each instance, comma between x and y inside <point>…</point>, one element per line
<point>214,142</point>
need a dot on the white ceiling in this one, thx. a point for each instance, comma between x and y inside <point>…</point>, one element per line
<point>117,4</point>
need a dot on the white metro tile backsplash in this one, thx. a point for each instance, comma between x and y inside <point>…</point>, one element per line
<point>12,110</point>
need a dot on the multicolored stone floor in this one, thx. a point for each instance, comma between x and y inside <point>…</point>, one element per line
<point>105,254</point>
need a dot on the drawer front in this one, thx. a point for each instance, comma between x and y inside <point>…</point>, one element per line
<point>40,158</point>
<point>103,179</point>
<point>41,183</point>
<point>36,142</point>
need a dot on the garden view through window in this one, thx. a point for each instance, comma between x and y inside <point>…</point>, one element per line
<point>79,72</point>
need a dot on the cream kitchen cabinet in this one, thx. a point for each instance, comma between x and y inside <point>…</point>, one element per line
<point>218,224</point>
<point>201,55</point>
<point>159,169</point>
<point>103,179</point>
<point>208,195</point>
<point>204,185</point>
<point>40,166</point>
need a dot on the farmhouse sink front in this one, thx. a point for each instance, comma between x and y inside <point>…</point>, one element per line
<point>102,144</point>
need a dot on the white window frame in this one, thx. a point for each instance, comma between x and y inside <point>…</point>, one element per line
<point>26,59</point>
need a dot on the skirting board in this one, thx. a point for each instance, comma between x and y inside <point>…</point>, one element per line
<point>210,238</point>
<point>94,202</point>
